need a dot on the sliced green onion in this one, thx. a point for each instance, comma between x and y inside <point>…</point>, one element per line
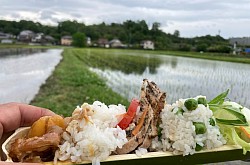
<point>198,147</point>
<point>211,122</point>
<point>220,98</point>
<point>179,111</point>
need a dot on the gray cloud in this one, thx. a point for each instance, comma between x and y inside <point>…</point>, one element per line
<point>191,18</point>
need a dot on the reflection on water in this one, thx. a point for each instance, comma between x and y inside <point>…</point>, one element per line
<point>184,77</point>
<point>119,62</point>
<point>7,52</point>
<point>21,75</point>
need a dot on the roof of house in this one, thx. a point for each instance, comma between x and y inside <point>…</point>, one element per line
<point>48,37</point>
<point>102,41</point>
<point>146,41</point>
<point>2,34</point>
<point>67,37</point>
<point>26,32</point>
<point>115,41</point>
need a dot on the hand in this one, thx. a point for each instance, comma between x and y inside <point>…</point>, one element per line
<point>15,115</point>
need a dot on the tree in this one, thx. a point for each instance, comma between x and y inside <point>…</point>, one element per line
<point>201,47</point>
<point>156,26</point>
<point>70,27</point>
<point>79,40</point>
<point>177,33</point>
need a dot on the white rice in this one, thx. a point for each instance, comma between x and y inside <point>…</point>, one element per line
<point>141,151</point>
<point>93,140</point>
<point>178,134</point>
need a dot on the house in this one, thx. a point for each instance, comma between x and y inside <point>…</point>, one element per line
<point>66,40</point>
<point>38,38</point>
<point>115,43</point>
<point>102,42</point>
<point>147,44</point>
<point>7,41</point>
<point>49,39</point>
<point>244,41</point>
<point>5,36</point>
<point>26,36</point>
<point>88,41</point>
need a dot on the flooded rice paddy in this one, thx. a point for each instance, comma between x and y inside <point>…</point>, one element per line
<point>180,77</point>
<point>22,71</point>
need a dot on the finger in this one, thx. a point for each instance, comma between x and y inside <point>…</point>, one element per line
<point>30,114</point>
<point>14,115</point>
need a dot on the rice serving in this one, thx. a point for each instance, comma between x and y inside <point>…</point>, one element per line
<point>179,132</point>
<point>94,135</point>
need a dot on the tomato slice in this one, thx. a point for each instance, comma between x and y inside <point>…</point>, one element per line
<point>133,107</point>
<point>129,116</point>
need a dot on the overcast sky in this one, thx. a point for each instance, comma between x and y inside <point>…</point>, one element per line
<point>229,18</point>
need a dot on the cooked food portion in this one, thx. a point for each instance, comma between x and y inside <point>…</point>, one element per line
<point>92,134</point>
<point>96,131</point>
<point>47,124</point>
<point>189,126</point>
<point>35,149</point>
<point>152,101</point>
<point>41,141</point>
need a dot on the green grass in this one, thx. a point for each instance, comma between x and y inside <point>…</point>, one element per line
<point>72,84</point>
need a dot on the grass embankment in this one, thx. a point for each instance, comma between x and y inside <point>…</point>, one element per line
<point>14,46</point>
<point>205,55</point>
<point>210,56</point>
<point>72,84</point>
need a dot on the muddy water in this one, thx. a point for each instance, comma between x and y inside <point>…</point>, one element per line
<point>22,71</point>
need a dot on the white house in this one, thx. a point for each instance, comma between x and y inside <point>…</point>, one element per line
<point>38,37</point>
<point>147,44</point>
<point>88,41</point>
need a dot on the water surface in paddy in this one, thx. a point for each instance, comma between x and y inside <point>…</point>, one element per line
<point>180,77</point>
<point>22,71</point>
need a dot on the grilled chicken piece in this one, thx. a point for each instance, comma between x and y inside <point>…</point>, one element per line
<point>36,149</point>
<point>152,101</point>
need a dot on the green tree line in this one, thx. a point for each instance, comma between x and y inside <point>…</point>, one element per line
<point>129,32</point>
